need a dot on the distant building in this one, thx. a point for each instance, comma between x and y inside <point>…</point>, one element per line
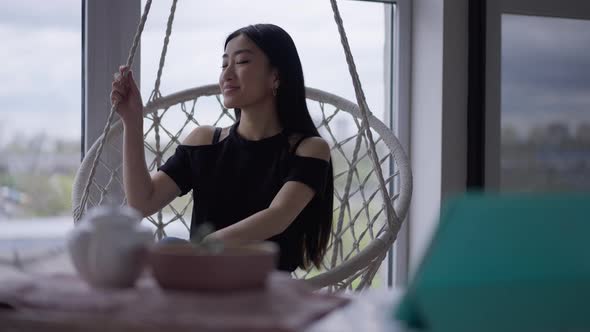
<point>583,133</point>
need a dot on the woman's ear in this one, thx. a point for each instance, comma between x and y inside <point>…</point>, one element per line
<point>276,80</point>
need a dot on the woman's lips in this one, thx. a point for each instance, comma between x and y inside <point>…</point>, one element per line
<point>230,89</point>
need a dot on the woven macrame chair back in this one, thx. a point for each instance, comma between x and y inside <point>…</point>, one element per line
<point>361,235</point>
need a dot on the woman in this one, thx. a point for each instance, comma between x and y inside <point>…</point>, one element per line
<point>267,177</point>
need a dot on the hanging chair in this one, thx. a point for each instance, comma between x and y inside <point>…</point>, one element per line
<point>368,207</point>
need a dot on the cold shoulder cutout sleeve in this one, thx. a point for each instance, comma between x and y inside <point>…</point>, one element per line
<point>179,168</point>
<point>311,171</point>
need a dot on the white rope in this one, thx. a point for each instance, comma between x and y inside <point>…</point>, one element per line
<point>156,92</point>
<point>156,116</point>
<point>392,219</point>
<point>79,210</point>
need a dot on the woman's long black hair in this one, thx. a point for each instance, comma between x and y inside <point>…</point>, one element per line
<point>295,119</point>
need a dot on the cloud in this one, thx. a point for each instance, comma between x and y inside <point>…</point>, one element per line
<point>62,124</point>
<point>42,71</point>
<point>35,14</point>
<point>545,70</point>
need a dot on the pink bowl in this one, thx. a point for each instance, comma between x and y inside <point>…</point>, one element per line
<point>184,267</point>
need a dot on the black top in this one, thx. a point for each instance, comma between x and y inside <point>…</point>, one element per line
<point>234,178</point>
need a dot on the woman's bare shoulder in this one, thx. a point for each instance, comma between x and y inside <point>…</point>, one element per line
<point>203,135</point>
<point>314,146</point>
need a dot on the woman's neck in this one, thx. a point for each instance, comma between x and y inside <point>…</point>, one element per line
<point>259,122</point>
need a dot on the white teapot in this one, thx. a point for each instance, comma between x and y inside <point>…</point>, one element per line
<point>109,246</point>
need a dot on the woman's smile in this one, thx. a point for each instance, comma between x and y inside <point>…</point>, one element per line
<point>228,89</point>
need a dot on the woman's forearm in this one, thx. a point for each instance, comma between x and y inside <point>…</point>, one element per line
<point>136,177</point>
<point>258,227</point>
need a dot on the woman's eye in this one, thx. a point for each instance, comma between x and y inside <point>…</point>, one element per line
<point>237,62</point>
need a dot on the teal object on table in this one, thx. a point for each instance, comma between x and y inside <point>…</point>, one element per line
<point>510,262</point>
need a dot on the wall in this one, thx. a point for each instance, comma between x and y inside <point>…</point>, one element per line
<point>108,50</point>
<point>438,114</point>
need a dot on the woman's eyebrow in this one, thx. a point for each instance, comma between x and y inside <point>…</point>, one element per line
<point>238,52</point>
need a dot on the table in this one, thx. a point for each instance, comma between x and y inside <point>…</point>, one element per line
<point>367,311</point>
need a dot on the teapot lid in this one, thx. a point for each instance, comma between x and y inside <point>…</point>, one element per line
<point>111,214</point>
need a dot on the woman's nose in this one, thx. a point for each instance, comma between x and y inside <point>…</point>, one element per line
<point>227,73</point>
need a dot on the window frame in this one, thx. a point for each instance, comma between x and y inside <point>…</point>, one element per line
<point>493,67</point>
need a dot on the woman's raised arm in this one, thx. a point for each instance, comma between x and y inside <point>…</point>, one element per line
<point>145,193</point>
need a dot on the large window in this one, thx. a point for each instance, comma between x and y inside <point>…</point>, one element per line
<point>39,119</point>
<point>536,101</point>
<point>196,45</point>
<point>44,82</point>
<point>545,118</point>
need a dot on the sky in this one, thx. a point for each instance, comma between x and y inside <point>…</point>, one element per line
<point>545,71</point>
<point>40,89</point>
<point>40,78</point>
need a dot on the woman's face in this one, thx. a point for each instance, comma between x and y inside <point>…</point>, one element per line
<point>246,77</point>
